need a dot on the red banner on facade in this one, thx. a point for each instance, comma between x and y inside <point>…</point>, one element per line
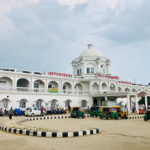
<point>59,74</point>
<point>108,77</point>
<point>124,82</point>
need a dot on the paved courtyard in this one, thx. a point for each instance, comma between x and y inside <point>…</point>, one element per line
<point>115,135</point>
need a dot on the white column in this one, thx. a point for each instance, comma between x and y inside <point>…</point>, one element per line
<point>98,67</point>
<point>90,86</point>
<point>108,87</point>
<point>128,103</point>
<point>136,103</point>
<point>108,65</point>
<point>82,69</point>
<point>73,87</point>
<point>117,87</point>
<point>46,85</point>
<point>106,98</point>
<point>14,83</point>
<point>31,85</point>
<point>146,101</point>
<point>100,86</point>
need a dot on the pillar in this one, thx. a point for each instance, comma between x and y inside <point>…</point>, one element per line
<point>128,103</point>
<point>106,98</point>
<point>14,83</point>
<point>100,86</point>
<point>82,68</point>
<point>108,89</point>
<point>146,101</point>
<point>90,86</point>
<point>73,87</point>
<point>136,104</point>
<point>32,85</point>
<point>108,66</point>
<point>117,87</point>
<point>46,85</point>
<point>60,86</point>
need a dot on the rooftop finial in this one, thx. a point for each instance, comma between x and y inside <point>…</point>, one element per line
<point>90,46</point>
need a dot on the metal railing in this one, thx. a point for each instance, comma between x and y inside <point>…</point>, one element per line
<point>67,91</point>
<point>39,90</point>
<point>6,88</point>
<point>23,89</point>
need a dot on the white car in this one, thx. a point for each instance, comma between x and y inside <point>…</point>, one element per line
<point>33,111</point>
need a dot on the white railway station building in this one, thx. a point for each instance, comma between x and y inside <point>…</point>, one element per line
<point>91,83</point>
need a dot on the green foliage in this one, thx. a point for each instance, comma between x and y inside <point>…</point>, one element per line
<point>142,100</point>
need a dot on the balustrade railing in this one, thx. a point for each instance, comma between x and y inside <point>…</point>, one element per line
<point>6,88</point>
<point>23,89</point>
<point>39,90</point>
<point>86,92</point>
<point>95,91</point>
<point>78,92</point>
<point>67,91</point>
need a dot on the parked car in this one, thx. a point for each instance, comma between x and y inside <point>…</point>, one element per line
<point>33,111</point>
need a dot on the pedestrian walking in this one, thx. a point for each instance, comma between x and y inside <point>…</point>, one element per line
<point>69,108</point>
<point>42,110</point>
<point>10,113</point>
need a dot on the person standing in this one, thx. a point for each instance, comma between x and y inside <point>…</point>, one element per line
<point>69,108</point>
<point>10,113</point>
<point>42,111</point>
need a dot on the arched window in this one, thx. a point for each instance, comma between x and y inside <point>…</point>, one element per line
<point>84,103</point>
<point>78,72</point>
<point>53,103</point>
<point>38,104</point>
<point>88,70</point>
<point>102,69</point>
<point>5,104</point>
<point>92,70</point>
<point>67,103</point>
<point>22,104</point>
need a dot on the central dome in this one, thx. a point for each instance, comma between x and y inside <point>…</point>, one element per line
<point>90,51</point>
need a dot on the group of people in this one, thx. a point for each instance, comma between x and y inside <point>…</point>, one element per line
<point>42,109</point>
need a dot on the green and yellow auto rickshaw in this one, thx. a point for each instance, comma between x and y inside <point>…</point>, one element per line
<point>108,112</point>
<point>77,111</point>
<point>121,112</point>
<point>94,111</point>
<point>147,114</point>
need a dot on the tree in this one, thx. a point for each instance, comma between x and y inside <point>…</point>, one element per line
<point>142,100</point>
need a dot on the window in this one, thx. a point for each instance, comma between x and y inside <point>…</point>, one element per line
<point>84,103</point>
<point>22,104</point>
<point>38,104</point>
<point>5,104</point>
<point>92,70</point>
<point>49,86</point>
<point>53,103</point>
<point>36,85</point>
<point>102,70</point>
<point>80,70</point>
<point>88,70</point>
<point>67,103</point>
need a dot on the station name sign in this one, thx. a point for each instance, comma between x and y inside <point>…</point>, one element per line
<point>59,74</point>
<point>108,77</point>
<point>124,82</point>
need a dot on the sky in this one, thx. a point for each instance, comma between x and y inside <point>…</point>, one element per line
<point>46,35</point>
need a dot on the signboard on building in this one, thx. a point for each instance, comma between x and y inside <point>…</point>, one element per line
<point>51,90</point>
<point>58,74</point>
<point>108,77</point>
<point>124,82</point>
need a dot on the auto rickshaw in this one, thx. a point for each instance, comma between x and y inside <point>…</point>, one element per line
<point>121,112</point>
<point>147,114</point>
<point>108,112</point>
<point>94,111</point>
<point>77,111</point>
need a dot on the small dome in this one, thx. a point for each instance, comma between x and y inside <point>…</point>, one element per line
<point>90,51</point>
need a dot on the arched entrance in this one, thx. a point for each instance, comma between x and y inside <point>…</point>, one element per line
<point>6,84</point>
<point>104,88</point>
<point>39,86</point>
<point>112,88</point>
<point>78,89</point>
<point>95,102</point>
<point>23,85</point>
<point>67,88</point>
<point>39,103</point>
<point>53,103</point>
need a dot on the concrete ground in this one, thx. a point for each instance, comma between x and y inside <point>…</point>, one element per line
<point>120,134</point>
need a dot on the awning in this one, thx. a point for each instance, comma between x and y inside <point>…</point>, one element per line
<point>39,100</point>
<point>55,100</point>
<point>23,100</point>
<point>6,99</point>
<point>68,100</point>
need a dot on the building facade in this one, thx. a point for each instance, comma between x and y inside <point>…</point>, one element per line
<point>90,83</point>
